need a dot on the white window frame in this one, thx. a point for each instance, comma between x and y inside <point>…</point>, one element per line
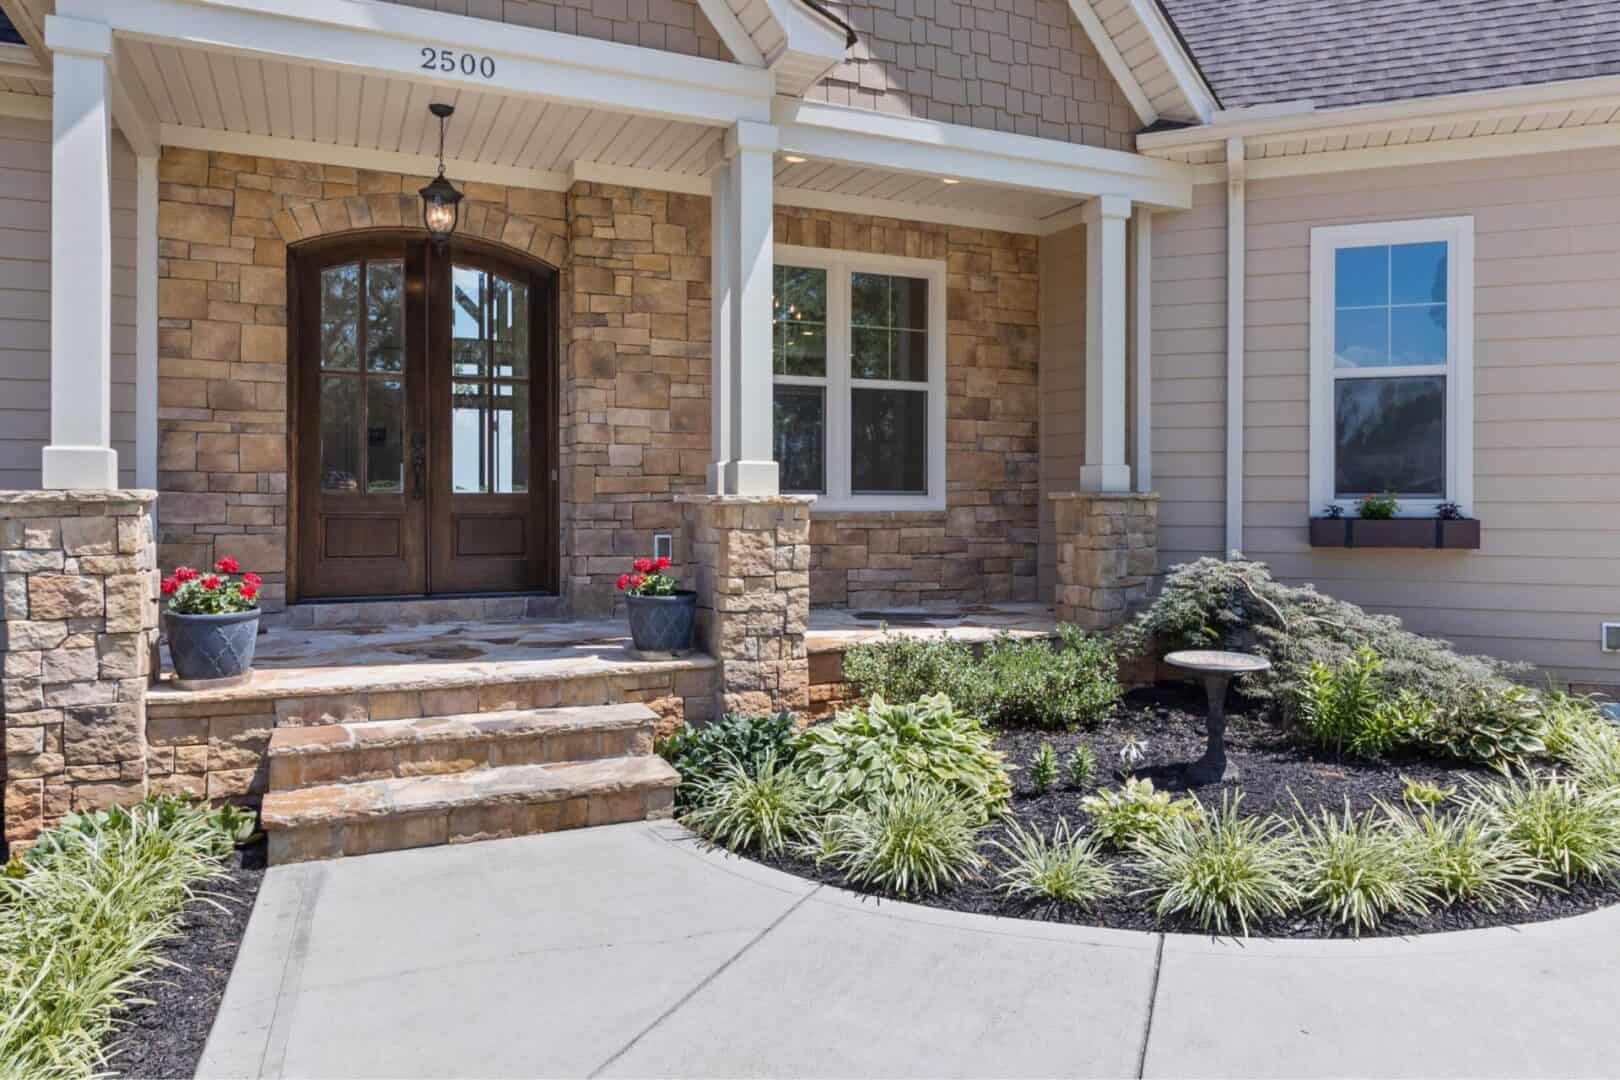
<point>840,267</point>
<point>1458,234</point>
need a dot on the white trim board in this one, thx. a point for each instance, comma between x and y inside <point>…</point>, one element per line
<point>1182,68</point>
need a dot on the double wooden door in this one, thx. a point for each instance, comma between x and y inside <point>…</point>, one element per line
<point>424,419</point>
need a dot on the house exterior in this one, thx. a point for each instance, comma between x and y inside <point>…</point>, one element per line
<point>868,306</point>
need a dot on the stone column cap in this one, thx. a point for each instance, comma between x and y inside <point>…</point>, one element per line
<point>46,498</point>
<point>1121,496</point>
<point>746,500</point>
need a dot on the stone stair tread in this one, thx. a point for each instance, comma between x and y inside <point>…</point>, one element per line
<point>486,726</point>
<point>334,804</point>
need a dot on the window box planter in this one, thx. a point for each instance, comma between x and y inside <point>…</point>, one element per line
<point>1349,532</point>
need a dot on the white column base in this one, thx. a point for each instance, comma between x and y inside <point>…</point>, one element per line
<point>79,468</point>
<point>1105,478</point>
<point>752,478</point>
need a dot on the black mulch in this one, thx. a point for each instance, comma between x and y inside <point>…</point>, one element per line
<point>164,1035</point>
<point>1274,772</point>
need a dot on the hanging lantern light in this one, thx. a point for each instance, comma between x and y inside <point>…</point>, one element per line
<point>441,202</point>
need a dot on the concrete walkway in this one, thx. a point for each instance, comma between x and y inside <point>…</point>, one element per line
<point>629,951</point>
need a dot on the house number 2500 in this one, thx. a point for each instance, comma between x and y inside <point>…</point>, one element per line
<point>451,61</point>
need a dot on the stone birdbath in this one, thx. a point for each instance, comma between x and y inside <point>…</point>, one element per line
<point>1216,669</point>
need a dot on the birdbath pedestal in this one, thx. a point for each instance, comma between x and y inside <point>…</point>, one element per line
<point>1216,670</point>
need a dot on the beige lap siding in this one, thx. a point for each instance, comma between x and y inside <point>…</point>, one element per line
<point>983,546</point>
<point>671,25</point>
<point>25,302</point>
<point>1547,391</point>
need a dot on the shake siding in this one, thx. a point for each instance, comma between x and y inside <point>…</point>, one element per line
<point>1063,379</point>
<point>1547,392</point>
<point>25,302</point>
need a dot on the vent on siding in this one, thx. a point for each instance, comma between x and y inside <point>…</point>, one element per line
<point>1611,637</point>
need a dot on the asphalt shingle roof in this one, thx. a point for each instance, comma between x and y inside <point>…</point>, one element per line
<point>1356,52</point>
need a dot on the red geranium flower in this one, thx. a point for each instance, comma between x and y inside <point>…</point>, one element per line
<point>661,563</point>
<point>250,578</point>
<point>643,565</point>
<point>184,574</point>
<point>249,591</point>
<point>636,580</point>
<point>227,565</point>
<point>211,582</point>
<point>169,585</point>
<point>624,580</point>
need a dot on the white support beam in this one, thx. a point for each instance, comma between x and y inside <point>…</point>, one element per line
<point>132,113</point>
<point>723,296</point>
<point>872,139</point>
<point>1236,244</point>
<point>417,45</point>
<point>1105,468</point>
<point>146,321</point>
<point>80,453</point>
<point>751,468</point>
<point>1142,343</point>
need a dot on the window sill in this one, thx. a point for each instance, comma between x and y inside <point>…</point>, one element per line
<point>1348,532</point>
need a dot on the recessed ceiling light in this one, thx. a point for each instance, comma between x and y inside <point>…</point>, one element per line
<point>793,159</point>
<point>948,180</point>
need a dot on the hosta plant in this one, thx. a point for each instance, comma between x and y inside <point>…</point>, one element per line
<point>867,752</point>
<point>1065,868</point>
<point>1499,727</point>
<point>1220,869</point>
<point>762,808</point>
<point>699,753</point>
<point>906,841</point>
<point>1135,811</point>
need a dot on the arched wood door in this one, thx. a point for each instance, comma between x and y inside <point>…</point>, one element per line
<point>424,418</point>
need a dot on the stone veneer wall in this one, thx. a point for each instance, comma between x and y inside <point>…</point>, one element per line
<point>983,546</point>
<point>224,223</point>
<point>78,630</point>
<point>1026,67</point>
<point>1107,555</point>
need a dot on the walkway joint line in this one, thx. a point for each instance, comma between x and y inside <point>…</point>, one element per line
<point>707,979</point>
<point>1152,1000</point>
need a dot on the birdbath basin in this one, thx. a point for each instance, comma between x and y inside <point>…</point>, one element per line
<point>1216,670</point>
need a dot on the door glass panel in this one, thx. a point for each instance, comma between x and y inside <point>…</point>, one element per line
<point>469,340</point>
<point>340,317</point>
<point>469,418</point>
<point>385,316</point>
<point>340,428</point>
<point>509,438</point>
<point>509,321</point>
<point>385,442</point>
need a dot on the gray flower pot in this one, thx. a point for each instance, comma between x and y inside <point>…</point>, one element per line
<point>211,646</point>
<point>662,623</point>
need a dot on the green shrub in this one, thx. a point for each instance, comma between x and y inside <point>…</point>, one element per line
<point>867,752</point>
<point>1350,709</point>
<point>1043,769</point>
<point>744,808</point>
<point>1356,868</point>
<point>1081,767</point>
<point>1572,832</point>
<point>906,841</point>
<point>897,667</point>
<point>1134,812</point>
<point>1220,869</point>
<point>1467,858</point>
<point>1065,869</point>
<point>701,753</point>
<point>82,915</point>
<point>1043,684</point>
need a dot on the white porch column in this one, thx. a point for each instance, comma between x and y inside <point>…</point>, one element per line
<point>1105,468</point>
<point>80,453</point>
<point>742,258</point>
<point>1142,343</point>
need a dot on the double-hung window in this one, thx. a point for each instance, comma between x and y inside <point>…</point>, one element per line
<point>1392,364</point>
<point>858,352</point>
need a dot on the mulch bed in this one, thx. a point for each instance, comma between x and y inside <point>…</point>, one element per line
<point>1275,772</point>
<point>164,1035</point>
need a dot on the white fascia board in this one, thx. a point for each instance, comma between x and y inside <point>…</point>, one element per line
<point>1103,42</point>
<point>271,146</point>
<point>924,147</point>
<point>1185,72</point>
<point>905,211</point>
<point>730,29</point>
<point>390,40</point>
<point>808,32</point>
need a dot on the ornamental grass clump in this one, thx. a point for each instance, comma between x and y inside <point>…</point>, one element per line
<point>82,916</point>
<point>906,841</point>
<point>699,753</point>
<point>1220,869</point>
<point>1065,869</point>
<point>865,753</point>
<point>1572,831</point>
<point>1134,812</point>
<point>761,808</point>
<point>1354,869</point>
<point>1467,858</point>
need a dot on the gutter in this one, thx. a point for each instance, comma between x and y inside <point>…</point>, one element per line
<point>849,31</point>
<point>1236,241</point>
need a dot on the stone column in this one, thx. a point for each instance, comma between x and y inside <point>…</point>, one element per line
<point>80,453</point>
<point>750,557</point>
<point>78,632</point>
<point>1105,468</point>
<point>1107,555</point>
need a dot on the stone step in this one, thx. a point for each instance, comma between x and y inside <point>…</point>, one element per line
<point>302,757</point>
<point>485,804</point>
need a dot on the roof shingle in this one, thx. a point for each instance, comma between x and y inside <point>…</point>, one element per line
<point>1357,52</point>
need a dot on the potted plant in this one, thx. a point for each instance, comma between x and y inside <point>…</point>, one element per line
<point>661,616</point>
<point>212,621</point>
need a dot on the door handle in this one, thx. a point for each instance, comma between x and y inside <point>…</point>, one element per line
<point>419,465</point>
